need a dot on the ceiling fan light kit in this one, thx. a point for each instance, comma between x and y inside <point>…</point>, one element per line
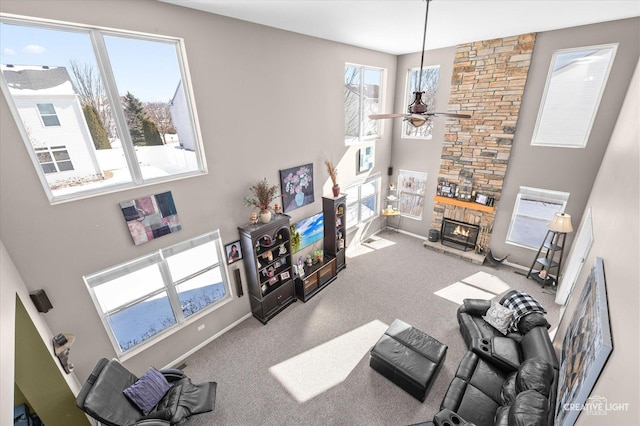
<point>417,114</point>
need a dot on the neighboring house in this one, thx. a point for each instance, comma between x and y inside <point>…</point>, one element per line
<point>181,119</point>
<point>53,119</point>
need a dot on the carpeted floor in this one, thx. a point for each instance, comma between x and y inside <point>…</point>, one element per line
<point>310,364</point>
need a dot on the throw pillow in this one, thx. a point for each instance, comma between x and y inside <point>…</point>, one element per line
<point>508,391</point>
<point>499,317</point>
<point>148,390</point>
<point>531,321</point>
<point>522,304</point>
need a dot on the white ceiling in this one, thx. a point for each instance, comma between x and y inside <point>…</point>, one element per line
<point>396,26</point>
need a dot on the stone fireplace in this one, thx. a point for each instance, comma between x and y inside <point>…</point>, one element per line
<point>488,82</point>
<point>460,235</point>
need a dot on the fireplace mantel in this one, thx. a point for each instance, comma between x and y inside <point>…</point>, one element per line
<point>464,204</point>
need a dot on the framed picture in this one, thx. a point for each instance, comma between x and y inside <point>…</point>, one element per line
<point>585,349</point>
<point>412,188</point>
<point>151,217</point>
<point>285,275</point>
<point>296,187</point>
<point>481,199</point>
<point>234,252</point>
<point>365,159</point>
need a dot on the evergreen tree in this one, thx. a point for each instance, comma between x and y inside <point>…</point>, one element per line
<point>134,113</point>
<point>151,134</point>
<point>96,128</point>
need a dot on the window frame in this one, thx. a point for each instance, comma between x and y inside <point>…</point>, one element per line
<point>96,36</point>
<point>362,118</point>
<point>169,285</point>
<point>376,179</point>
<point>592,107</point>
<point>43,115</point>
<point>535,194</point>
<point>406,127</point>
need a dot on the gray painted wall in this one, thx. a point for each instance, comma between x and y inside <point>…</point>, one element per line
<point>298,120</point>
<point>615,207</point>
<point>561,169</point>
<point>296,84</point>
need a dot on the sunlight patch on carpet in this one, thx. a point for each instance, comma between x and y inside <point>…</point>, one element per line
<point>458,291</point>
<point>371,244</point>
<point>487,282</point>
<point>312,372</point>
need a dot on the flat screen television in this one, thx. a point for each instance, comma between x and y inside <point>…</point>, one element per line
<point>307,232</point>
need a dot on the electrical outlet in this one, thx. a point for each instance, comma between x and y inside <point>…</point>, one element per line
<point>201,327</point>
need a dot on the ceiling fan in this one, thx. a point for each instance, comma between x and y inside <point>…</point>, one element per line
<point>417,114</point>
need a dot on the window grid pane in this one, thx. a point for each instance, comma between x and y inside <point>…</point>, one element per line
<point>137,299</point>
<point>82,114</point>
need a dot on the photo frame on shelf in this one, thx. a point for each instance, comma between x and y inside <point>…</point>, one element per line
<point>482,199</point>
<point>285,275</point>
<point>296,187</point>
<point>234,252</point>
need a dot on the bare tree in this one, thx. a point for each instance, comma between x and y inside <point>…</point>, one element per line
<point>160,114</point>
<point>92,92</point>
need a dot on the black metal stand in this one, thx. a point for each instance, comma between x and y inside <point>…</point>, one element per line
<point>553,243</point>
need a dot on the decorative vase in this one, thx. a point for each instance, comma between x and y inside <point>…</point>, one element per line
<point>336,190</point>
<point>265,216</point>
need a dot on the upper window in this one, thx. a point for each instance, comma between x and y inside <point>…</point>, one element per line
<point>362,200</point>
<point>143,299</point>
<point>48,114</point>
<point>429,85</point>
<point>118,103</point>
<point>362,91</point>
<point>572,94</point>
<point>532,212</point>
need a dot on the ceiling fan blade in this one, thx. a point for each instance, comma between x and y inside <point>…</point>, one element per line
<point>448,114</point>
<point>382,116</point>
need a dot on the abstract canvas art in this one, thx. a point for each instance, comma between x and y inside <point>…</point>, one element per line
<point>586,348</point>
<point>151,217</point>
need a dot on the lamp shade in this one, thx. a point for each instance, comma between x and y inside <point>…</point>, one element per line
<point>561,222</point>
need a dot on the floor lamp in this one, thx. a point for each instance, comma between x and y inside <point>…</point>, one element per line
<point>553,243</point>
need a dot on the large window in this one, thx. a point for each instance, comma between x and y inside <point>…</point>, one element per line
<point>429,85</point>
<point>362,96</point>
<point>118,103</point>
<point>362,200</point>
<point>533,210</point>
<point>143,299</point>
<point>575,84</point>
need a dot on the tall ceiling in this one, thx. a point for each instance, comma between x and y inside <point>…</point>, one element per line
<point>396,26</point>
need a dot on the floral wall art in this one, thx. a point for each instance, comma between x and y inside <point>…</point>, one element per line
<point>151,217</point>
<point>296,187</point>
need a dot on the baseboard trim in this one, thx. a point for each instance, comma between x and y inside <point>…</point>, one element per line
<point>181,358</point>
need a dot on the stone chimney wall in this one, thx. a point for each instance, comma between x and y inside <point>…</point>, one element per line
<point>488,82</point>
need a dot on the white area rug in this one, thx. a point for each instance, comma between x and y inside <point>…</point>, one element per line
<point>458,291</point>
<point>312,372</point>
<point>487,282</point>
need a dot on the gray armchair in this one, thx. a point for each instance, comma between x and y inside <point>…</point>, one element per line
<point>102,397</point>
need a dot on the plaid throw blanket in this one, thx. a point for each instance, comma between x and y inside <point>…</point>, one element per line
<point>522,304</point>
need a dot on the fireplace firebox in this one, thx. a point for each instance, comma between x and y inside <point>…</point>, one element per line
<point>460,235</point>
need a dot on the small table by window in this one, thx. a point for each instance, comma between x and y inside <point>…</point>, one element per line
<point>392,219</point>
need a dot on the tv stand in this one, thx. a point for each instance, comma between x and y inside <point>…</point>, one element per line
<point>316,277</point>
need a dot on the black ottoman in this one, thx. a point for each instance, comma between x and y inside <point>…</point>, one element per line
<point>409,358</point>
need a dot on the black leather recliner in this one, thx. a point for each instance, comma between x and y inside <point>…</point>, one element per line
<point>102,397</point>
